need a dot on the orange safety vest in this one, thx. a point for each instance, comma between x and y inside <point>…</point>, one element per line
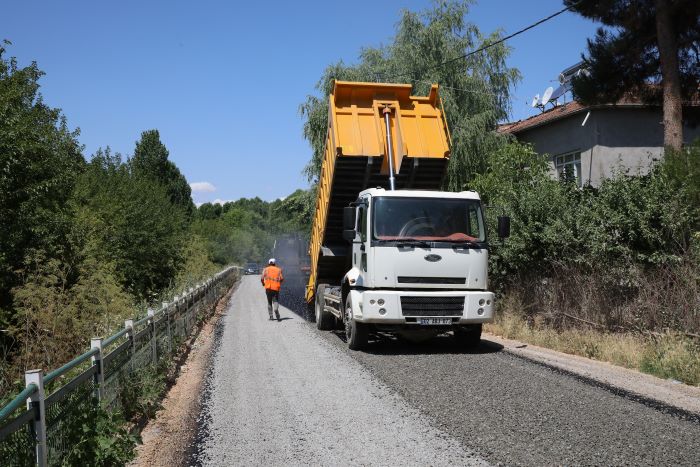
<point>272,278</point>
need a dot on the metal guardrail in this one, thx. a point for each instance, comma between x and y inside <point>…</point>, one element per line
<point>34,425</point>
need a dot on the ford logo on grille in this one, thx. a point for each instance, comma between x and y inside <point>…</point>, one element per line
<point>433,258</point>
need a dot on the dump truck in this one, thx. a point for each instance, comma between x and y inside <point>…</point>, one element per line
<point>389,252</point>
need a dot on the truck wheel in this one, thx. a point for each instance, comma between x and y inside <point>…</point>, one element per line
<point>468,336</point>
<point>324,320</point>
<point>357,334</point>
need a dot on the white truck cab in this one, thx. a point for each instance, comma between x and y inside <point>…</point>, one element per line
<point>418,266</point>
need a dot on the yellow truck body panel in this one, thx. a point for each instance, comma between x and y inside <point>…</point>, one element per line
<point>355,158</point>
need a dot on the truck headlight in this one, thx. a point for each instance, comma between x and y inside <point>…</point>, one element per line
<point>382,311</point>
<point>380,302</point>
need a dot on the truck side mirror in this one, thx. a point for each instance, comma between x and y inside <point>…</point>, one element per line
<point>349,223</point>
<point>503,227</point>
<point>349,218</point>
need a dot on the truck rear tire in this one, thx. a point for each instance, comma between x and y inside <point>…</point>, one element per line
<point>356,334</point>
<point>468,336</point>
<point>325,321</point>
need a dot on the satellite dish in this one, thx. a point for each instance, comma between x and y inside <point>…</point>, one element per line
<point>547,95</point>
<point>535,101</point>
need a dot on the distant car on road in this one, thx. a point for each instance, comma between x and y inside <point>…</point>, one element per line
<point>251,268</point>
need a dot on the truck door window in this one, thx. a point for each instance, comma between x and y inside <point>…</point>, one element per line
<point>363,224</point>
<point>474,226</point>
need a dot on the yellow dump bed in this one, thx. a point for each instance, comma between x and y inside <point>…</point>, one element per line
<point>355,158</point>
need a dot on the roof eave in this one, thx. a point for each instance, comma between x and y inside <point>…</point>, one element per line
<point>576,112</point>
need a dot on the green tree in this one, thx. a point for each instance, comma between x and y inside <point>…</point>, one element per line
<point>150,160</point>
<point>40,159</point>
<point>197,263</point>
<point>643,43</point>
<point>245,229</point>
<point>293,213</point>
<point>137,227</point>
<point>209,211</point>
<point>428,47</point>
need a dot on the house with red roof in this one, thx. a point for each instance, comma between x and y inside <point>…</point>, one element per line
<point>597,141</point>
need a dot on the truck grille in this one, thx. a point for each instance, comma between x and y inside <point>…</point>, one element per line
<point>431,280</point>
<point>432,306</point>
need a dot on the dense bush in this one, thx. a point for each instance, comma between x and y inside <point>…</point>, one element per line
<point>132,223</point>
<point>81,242</point>
<point>98,437</point>
<point>40,160</point>
<point>622,255</point>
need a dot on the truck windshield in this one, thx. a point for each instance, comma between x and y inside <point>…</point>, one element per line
<point>427,219</point>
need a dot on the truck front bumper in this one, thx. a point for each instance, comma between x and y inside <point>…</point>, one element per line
<point>408,307</point>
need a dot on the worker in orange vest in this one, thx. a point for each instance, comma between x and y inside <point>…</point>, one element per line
<point>272,279</point>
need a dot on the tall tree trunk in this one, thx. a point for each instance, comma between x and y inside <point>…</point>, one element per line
<point>670,76</point>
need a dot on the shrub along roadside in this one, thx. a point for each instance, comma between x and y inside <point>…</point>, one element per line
<point>109,438</point>
<point>668,355</point>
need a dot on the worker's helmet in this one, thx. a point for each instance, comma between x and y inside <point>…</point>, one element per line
<point>271,261</point>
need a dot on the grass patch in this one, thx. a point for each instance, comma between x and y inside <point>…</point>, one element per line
<point>667,355</point>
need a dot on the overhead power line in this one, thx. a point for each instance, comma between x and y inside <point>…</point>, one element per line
<point>487,46</point>
<point>510,36</point>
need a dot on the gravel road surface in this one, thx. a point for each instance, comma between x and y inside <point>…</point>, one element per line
<point>280,395</point>
<point>285,393</point>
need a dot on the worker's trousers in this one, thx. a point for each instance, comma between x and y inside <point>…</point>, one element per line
<point>273,302</point>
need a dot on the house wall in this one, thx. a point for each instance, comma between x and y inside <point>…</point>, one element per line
<point>561,137</point>
<point>612,140</point>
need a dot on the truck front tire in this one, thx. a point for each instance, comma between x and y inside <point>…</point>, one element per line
<point>468,336</point>
<point>325,321</point>
<point>356,334</point>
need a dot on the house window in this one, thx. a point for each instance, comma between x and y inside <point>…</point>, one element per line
<point>569,166</point>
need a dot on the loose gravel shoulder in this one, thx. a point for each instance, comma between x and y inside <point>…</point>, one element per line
<point>280,395</point>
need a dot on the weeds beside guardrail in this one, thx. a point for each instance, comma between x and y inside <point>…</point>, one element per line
<point>61,416</point>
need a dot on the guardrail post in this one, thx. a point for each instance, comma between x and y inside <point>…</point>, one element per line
<point>154,341</point>
<point>189,306</point>
<point>211,302</point>
<point>166,311</point>
<point>36,403</point>
<point>129,326</point>
<point>185,307</point>
<point>198,297</point>
<point>176,303</point>
<point>96,343</point>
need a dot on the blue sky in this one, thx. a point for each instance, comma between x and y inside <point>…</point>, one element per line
<point>223,80</point>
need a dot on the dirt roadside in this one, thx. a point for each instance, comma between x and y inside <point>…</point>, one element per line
<point>168,437</point>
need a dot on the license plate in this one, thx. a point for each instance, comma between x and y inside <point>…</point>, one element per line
<point>434,321</point>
